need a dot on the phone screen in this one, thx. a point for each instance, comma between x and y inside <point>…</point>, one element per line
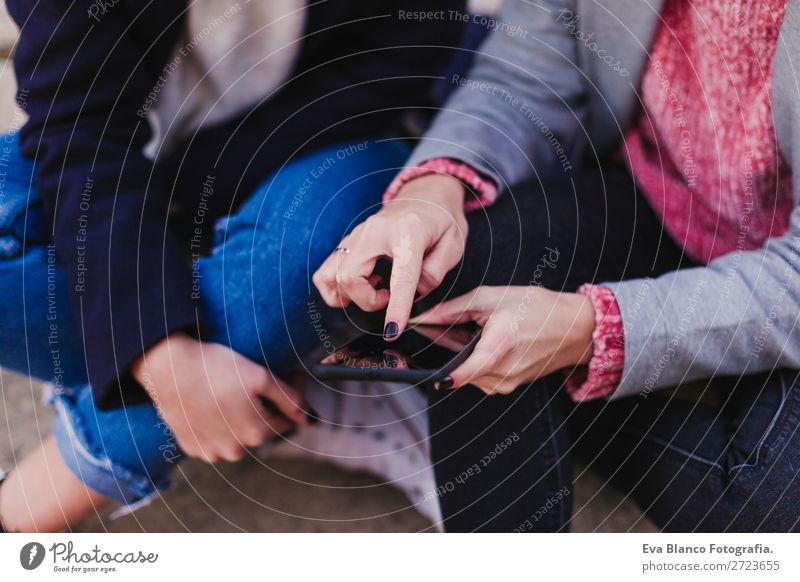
<point>425,348</point>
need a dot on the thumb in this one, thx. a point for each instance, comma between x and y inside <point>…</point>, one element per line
<point>463,309</point>
<point>493,346</point>
<point>286,399</point>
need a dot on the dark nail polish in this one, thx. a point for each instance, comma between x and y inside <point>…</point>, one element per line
<point>390,360</point>
<point>446,384</point>
<point>391,330</point>
<point>313,416</point>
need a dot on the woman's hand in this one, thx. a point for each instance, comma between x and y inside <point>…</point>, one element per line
<point>422,231</point>
<point>212,397</point>
<point>528,333</point>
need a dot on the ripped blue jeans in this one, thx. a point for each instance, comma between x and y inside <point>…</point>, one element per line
<point>273,243</point>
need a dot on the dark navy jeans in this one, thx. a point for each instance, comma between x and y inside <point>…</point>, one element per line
<point>727,462</point>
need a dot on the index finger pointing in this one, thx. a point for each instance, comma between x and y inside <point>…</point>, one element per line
<point>407,257</point>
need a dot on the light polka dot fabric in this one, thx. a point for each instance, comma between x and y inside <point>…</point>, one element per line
<point>376,427</point>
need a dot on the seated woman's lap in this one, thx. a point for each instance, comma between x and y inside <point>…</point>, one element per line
<point>690,465</point>
<point>558,234</point>
<point>724,462</point>
<point>255,286</point>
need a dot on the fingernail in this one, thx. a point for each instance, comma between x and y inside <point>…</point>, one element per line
<point>313,416</point>
<point>390,360</point>
<point>391,330</point>
<point>447,383</point>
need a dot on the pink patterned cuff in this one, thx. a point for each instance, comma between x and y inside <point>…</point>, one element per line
<point>602,375</point>
<point>485,190</point>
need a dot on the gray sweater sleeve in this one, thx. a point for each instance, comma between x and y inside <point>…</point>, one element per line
<point>520,110</point>
<point>738,315</point>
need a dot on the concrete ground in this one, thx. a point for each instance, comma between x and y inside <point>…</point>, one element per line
<point>278,495</point>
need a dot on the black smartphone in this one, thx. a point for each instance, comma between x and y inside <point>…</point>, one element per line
<point>422,354</point>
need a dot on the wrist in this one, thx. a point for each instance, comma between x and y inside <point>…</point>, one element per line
<point>441,189</point>
<point>160,356</point>
<point>582,329</point>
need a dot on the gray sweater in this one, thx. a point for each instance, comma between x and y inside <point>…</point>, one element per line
<point>543,92</point>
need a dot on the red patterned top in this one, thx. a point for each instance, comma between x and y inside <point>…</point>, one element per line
<point>703,151</point>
